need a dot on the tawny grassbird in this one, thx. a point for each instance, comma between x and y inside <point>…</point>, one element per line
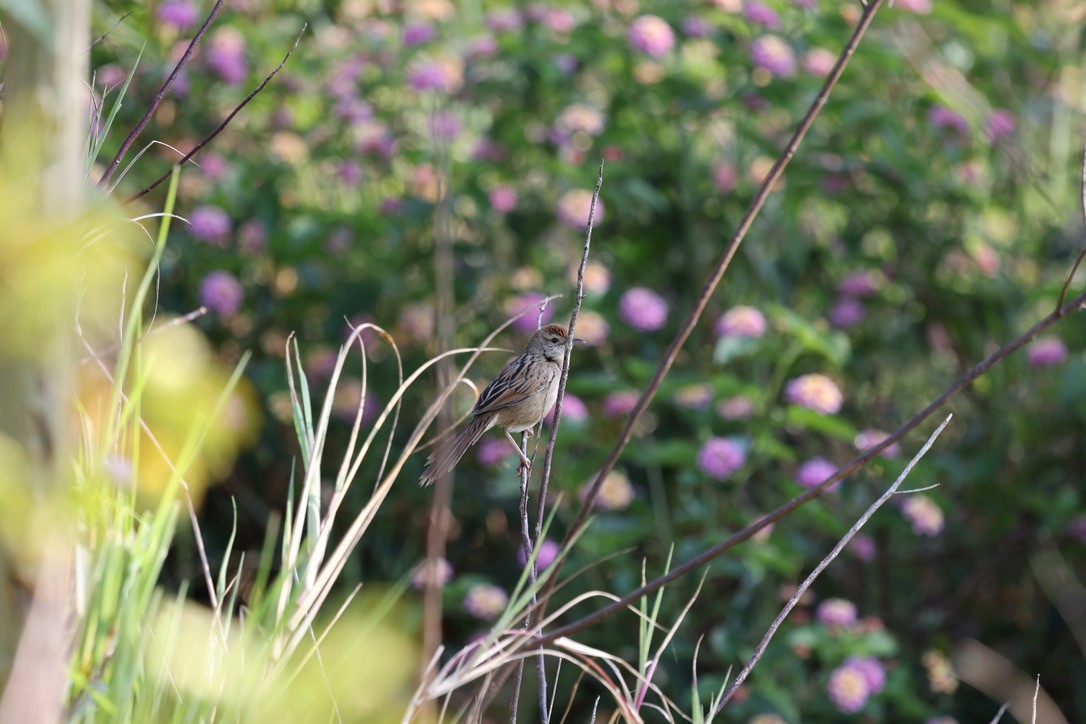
<point>516,400</point>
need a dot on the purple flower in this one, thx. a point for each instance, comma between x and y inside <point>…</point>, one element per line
<point>837,612</point>
<point>869,438</point>
<point>573,410</point>
<point>528,323</point>
<point>741,321</point>
<point>548,551</point>
<point>488,150</point>
<point>433,571</point>
<point>873,672</point>
<point>109,76</point>
<point>696,28</point>
<point>918,7</point>
<point>213,166</point>
<point>815,392</point>
<point>847,312</point>
<point>565,62</point>
<point>373,137</point>
<point>924,514</point>
<point>353,110</point>
<point>719,457</point>
<point>725,177</point>
<point>221,293</point>
<point>620,404</point>
<point>536,12</point>
<point>815,471</point>
<point>861,283</point>
<point>390,206</point>
<point>573,208</point>
<point>503,198</point>
<point>643,309</point>
<point>819,62</point>
<point>862,546</point>
<point>417,34</point>
<point>847,689</point>
<point>1000,124</point>
<point>739,407</point>
<point>651,35</point>
<point>492,450</point>
<point>1046,352</point>
<point>444,125</point>
<point>210,224</point>
<point>504,21</point>
<point>560,20</point>
<point>226,55</point>
<point>485,601</point>
<point>481,47</point>
<point>760,14</point>
<point>943,117</point>
<point>349,172</point>
<point>773,54</point>
<point>427,75</point>
<point>179,14</point>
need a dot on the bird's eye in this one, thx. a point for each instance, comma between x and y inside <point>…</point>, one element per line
<point>555,340</point>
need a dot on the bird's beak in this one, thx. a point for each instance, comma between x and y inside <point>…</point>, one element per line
<point>577,340</point>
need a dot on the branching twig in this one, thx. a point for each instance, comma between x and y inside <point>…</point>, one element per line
<point>226,121</point>
<point>845,471</point>
<point>548,456</point>
<point>722,265</point>
<point>703,299</point>
<point>116,25</point>
<point>802,588</point>
<point>159,97</point>
<point>536,612</point>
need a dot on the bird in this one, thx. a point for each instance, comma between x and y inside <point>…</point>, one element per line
<point>516,400</point>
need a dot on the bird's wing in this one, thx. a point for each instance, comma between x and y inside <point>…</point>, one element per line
<point>510,387</point>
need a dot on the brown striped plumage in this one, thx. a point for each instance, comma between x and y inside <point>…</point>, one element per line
<point>516,400</point>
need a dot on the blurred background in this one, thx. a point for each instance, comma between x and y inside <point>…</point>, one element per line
<point>933,213</point>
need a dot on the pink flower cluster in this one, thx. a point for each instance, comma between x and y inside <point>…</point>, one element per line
<point>719,457</point>
<point>741,321</point>
<point>854,682</point>
<point>643,309</point>
<point>815,392</point>
<point>924,514</point>
<point>651,35</point>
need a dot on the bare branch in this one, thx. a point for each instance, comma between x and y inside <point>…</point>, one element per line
<point>846,471</point>
<point>802,588</point>
<point>159,97</point>
<point>723,263</point>
<point>226,121</point>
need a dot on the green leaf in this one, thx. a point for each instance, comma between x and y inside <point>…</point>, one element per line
<point>816,422</point>
<point>729,348</point>
<point>832,345</point>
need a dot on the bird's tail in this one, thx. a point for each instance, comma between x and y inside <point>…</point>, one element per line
<point>449,452</point>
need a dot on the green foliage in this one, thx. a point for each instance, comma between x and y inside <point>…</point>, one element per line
<point>930,215</point>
